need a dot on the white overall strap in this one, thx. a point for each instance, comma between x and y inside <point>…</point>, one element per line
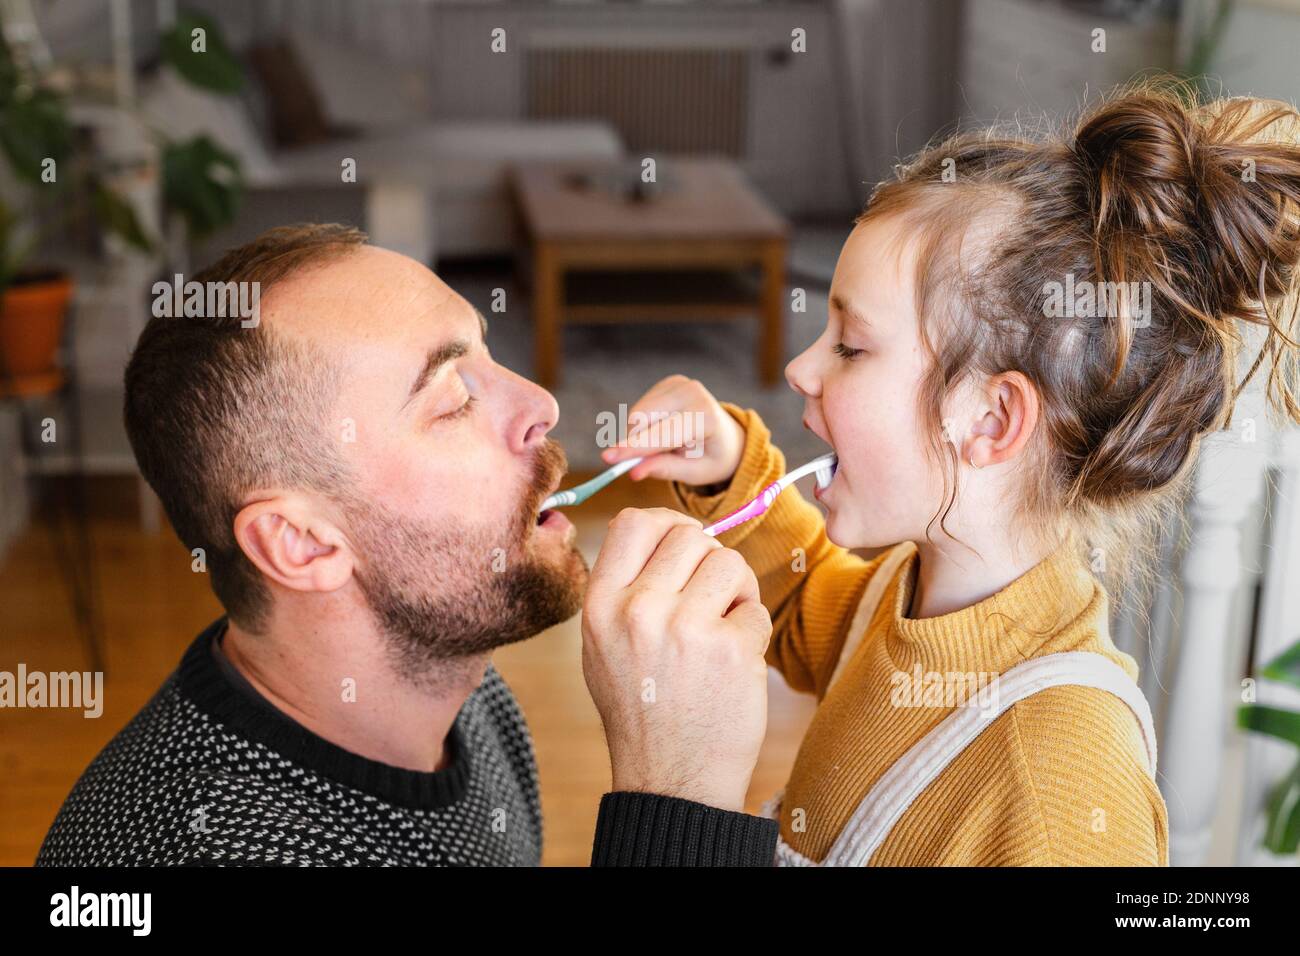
<point>866,610</point>
<point>889,799</point>
<point>871,596</point>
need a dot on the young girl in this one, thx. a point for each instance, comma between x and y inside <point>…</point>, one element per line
<point>1026,340</point>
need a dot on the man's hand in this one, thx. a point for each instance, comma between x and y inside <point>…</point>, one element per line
<point>684,434</point>
<point>673,637</point>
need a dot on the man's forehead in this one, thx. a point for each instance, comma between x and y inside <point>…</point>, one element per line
<point>370,296</point>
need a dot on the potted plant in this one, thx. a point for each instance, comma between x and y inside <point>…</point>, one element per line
<point>37,141</point>
<point>1282,833</point>
<point>201,189</point>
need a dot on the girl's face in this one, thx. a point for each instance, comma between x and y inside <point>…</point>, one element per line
<point>859,382</point>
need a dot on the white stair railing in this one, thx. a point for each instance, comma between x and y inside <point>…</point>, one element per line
<point>1198,713</point>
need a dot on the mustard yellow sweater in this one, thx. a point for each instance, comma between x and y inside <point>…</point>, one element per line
<point>1058,779</point>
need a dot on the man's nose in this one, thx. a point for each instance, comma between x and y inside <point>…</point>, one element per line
<point>536,416</point>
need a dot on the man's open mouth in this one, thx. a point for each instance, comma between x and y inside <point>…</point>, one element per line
<point>542,513</point>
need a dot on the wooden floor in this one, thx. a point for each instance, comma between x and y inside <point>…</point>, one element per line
<point>153,606</point>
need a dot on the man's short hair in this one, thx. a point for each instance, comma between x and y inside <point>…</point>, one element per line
<point>215,410</point>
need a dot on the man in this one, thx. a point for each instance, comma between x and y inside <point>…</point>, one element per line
<point>363,482</point>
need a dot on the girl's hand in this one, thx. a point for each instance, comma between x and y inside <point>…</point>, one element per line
<point>684,434</point>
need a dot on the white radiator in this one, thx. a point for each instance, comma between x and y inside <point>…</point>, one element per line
<point>671,98</point>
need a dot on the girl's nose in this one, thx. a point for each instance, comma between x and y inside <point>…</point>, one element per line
<point>802,376</point>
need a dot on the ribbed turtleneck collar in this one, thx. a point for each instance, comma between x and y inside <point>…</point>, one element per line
<point>1004,628</point>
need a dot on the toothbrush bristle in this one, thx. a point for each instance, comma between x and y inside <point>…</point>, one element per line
<point>826,472</point>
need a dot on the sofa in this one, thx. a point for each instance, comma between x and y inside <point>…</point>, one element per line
<point>425,187</point>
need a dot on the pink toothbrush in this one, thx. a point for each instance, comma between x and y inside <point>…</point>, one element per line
<point>824,468</point>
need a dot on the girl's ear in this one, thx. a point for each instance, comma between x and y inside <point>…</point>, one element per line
<point>289,543</point>
<point>1009,419</point>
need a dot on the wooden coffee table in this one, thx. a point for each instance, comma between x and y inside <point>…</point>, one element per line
<point>708,247</point>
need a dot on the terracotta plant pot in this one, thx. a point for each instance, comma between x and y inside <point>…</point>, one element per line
<point>32,314</point>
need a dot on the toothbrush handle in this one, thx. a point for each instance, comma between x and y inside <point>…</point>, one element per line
<point>746,512</point>
<point>579,494</point>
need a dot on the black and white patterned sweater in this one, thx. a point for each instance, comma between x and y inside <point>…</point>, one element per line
<point>210,773</point>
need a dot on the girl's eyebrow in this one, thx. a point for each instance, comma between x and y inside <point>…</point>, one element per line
<point>846,309</point>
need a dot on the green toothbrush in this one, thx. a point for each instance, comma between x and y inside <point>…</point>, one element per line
<point>577,495</point>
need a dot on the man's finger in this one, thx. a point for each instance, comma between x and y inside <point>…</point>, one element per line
<point>675,560</point>
<point>722,579</point>
<point>753,624</point>
<point>633,536</point>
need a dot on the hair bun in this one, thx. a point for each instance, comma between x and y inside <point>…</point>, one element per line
<point>1211,193</point>
<point>1138,139</point>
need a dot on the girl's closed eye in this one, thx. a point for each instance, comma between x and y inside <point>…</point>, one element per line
<point>845,352</point>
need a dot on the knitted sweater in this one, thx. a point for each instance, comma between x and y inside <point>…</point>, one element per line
<point>1058,779</point>
<point>206,774</point>
<point>209,773</point>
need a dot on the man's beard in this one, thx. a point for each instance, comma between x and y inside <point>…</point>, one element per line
<point>436,590</point>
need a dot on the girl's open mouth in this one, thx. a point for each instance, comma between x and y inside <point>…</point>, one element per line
<point>820,489</point>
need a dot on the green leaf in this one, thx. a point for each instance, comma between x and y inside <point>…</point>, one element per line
<point>118,217</point>
<point>34,128</point>
<point>1283,724</point>
<point>1285,667</point>
<point>202,182</point>
<point>1283,833</point>
<point>214,67</point>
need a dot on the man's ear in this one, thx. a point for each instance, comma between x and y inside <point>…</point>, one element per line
<point>1009,418</point>
<point>289,541</point>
